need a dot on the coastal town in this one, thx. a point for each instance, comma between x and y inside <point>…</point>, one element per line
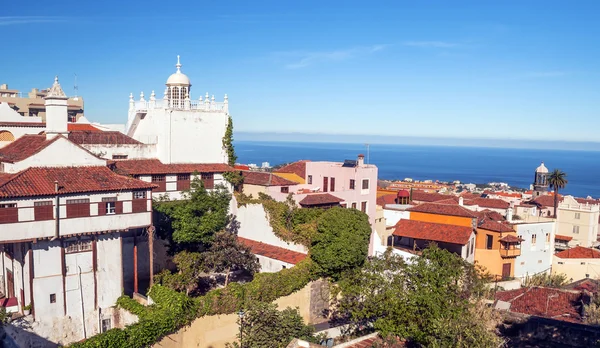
<point>96,221</point>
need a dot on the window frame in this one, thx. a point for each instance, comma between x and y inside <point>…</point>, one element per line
<point>365,181</point>
<point>352,185</point>
<point>309,180</point>
<point>489,242</point>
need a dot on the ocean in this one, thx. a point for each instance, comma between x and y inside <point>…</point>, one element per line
<point>467,164</point>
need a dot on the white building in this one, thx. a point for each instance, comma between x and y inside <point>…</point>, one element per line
<point>537,248</point>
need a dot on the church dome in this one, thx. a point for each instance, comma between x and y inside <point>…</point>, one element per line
<point>541,169</point>
<point>178,78</point>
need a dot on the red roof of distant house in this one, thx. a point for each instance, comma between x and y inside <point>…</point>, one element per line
<point>511,239</point>
<point>546,201</point>
<point>579,252</point>
<point>319,199</point>
<point>495,226</point>
<point>504,194</point>
<point>272,252</point>
<point>82,127</point>
<point>241,167</point>
<point>24,147</point>
<point>265,179</point>
<point>298,168</point>
<point>587,201</point>
<point>422,196</point>
<point>386,199</point>
<point>433,232</point>
<point>561,237</point>
<point>23,124</point>
<point>40,181</point>
<point>154,166</point>
<point>469,195</point>
<point>443,209</point>
<point>403,194</point>
<point>490,215</point>
<point>453,200</point>
<point>104,138</point>
<point>488,203</point>
<point>545,302</point>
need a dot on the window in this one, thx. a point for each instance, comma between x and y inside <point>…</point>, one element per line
<point>354,205</point>
<point>332,185</point>
<point>583,263</point>
<point>533,238</point>
<point>577,216</point>
<point>139,203</point>
<point>472,246</point>
<point>139,194</point>
<point>108,206</point>
<point>111,207</point>
<point>575,229</point>
<point>43,210</point>
<point>160,181</point>
<point>352,184</point>
<point>183,182</point>
<point>468,247</point>
<point>489,241</point>
<point>78,208</point>
<point>363,207</point>
<point>9,213</point>
<point>561,263</point>
<point>325,184</point>
<point>78,246</point>
<point>365,184</point>
<point>209,180</point>
<point>106,325</point>
<point>310,179</point>
<point>285,189</point>
<point>52,298</point>
<point>118,157</point>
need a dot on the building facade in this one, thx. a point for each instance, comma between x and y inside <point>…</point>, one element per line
<point>577,263</point>
<point>537,248</point>
<point>578,221</point>
<point>32,104</point>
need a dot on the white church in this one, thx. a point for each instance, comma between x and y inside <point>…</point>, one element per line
<point>75,202</point>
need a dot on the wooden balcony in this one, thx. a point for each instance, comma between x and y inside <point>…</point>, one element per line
<point>510,252</point>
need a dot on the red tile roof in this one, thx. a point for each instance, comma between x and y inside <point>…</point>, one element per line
<point>511,239</point>
<point>504,194</point>
<point>24,147</point>
<point>40,181</point>
<point>82,127</point>
<point>298,168</point>
<point>546,201</point>
<point>23,124</point>
<point>272,252</point>
<point>83,137</point>
<point>579,252</point>
<point>488,203</point>
<point>265,179</point>
<point>561,237</point>
<point>495,226</point>
<point>453,200</point>
<point>469,195</point>
<point>433,232</point>
<point>490,215</point>
<point>545,302</point>
<point>242,167</point>
<point>587,201</point>
<point>422,196</point>
<point>154,166</point>
<point>386,199</point>
<point>443,209</point>
<point>319,199</point>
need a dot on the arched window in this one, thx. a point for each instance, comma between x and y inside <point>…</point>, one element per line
<point>6,136</point>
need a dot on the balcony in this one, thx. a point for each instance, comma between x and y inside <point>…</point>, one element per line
<point>510,252</point>
<point>510,246</point>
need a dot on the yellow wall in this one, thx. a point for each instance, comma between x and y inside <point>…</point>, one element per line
<point>217,330</point>
<point>574,269</point>
<point>442,219</point>
<point>253,190</point>
<point>491,258</point>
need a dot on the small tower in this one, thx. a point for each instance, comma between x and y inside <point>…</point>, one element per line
<point>56,110</point>
<point>540,181</point>
<point>178,88</point>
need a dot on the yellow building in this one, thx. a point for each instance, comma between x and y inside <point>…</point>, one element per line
<point>32,103</point>
<point>577,263</point>
<point>496,247</point>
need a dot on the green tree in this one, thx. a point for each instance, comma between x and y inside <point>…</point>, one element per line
<point>263,326</point>
<point>200,216</point>
<point>558,181</point>
<point>436,300</point>
<point>235,178</point>
<point>226,254</point>
<point>341,241</point>
<point>190,269</point>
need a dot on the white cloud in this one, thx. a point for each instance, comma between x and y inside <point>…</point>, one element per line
<point>304,59</point>
<point>16,20</point>
<point>431,44</point>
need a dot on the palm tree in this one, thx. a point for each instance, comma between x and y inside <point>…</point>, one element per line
<point>557,180</point>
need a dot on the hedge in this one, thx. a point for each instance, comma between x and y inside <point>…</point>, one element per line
<point>173,310</point>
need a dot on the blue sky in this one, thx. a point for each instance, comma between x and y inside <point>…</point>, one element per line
<point>504,69</point>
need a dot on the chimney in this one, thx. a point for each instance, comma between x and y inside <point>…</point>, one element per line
<point>56,111</point>
<point>509,212</point>
<point>361,160</point>
<point>460,201</point>
<point>4,86</point>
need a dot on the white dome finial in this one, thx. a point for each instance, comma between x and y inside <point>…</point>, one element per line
<point>178,65</point>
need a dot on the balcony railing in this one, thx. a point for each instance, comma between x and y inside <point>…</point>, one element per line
<point>511,252</point>
<point>195,105</point>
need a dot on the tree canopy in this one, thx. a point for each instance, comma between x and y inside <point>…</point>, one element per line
<point>435,300</point>
<point>341,241</point>
<point>558,181</point>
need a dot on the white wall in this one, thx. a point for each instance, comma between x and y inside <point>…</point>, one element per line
<point>535,257</point>
<point>268,265</point>
<point>133,151</point>
<point>393,216</point>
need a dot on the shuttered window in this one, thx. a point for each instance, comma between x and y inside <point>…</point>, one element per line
<point>78,208</point>
<point>43,210</point>
<point>209,180</point>
<point>9,213</point>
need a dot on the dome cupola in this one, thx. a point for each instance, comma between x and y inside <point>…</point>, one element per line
<point>178,78</point>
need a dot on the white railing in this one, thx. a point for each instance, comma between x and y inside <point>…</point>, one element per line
<point>193,105</point>
<point>586,206</point>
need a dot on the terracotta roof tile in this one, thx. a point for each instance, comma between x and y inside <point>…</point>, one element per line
<point>561,237</point>
<point>83,137</point>
<point>386,199</point>
<point>40,181</point>
<point>488,203</point>
<point>443,209</point>
<point>265,179</point>
<point>154,166</point>
<point>272,252</point>
<point>422,196</point>
<point>24,147</point>
<point>545,302</point>
<point>491,215</point>
<point>495,226</point>
<point>82,127</point>
<point>433,232</point>
<point>511,239</point>
<point>546,201</point>
<point>319,199</point>
<point>587,201</point>
<point>579,252</point>
<point>298,168</point>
